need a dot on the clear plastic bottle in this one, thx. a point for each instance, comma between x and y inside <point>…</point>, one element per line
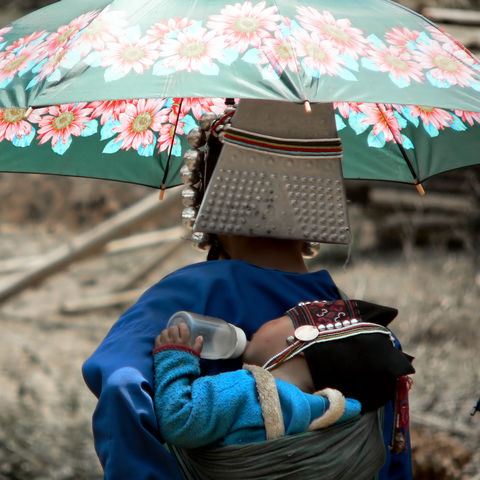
<point>220,339</point>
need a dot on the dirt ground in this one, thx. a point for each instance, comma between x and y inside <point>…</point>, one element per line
<point>45,408</point>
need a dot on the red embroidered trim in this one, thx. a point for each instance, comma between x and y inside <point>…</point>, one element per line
<point>174,346</point>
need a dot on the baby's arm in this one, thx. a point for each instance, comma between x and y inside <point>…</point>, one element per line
<point>192,411</point>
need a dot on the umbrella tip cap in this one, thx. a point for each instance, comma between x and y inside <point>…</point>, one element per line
<point>161,195</point>
<point>308,107</point>
<point>420,189</point>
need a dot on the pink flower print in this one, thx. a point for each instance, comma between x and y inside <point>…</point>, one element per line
<point>31,38</point>
<point>125,55</point>
<point>317,54</point>
<point>156,33</point>
<point>439,34</point>
<point>198,106</point>
<point>245,25</point>
<point>398,63</point>
<point>3,31</point>
<point>346,39</point>
<point>51,65</point>
<point>345,109</point>
<point>444,69</point>
<point>468,117</point>
<point>107,27</point>
<point>401,36</point>
<point>453,46</point>
<point>191,51</point>
<point>59,123</point>
<point>13,124</point>
<point>13,63</point>
<point>278,53</point>
<point>383,120</point>
<point>169,135</point>
<point>431,116</point>
<point>109,110</point>
<point>60,38</point>
<point>139,122</point>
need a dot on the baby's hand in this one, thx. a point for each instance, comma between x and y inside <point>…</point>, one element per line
<point>179,335</point>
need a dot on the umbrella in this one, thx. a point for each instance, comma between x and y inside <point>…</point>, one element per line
<point>111,88</point>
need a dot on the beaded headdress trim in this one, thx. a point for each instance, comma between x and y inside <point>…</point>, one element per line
<point>297,147</point>
<point>323,321</point>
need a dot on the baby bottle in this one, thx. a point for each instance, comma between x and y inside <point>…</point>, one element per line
<point>220,338</point>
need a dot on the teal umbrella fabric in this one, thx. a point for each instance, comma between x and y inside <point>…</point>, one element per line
<point>111,88</point>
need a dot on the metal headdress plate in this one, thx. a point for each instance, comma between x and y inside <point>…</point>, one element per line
<point>279,175</point>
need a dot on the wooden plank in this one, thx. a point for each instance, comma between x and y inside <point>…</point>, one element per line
<point>142,270</point>
<point>14,264</point>
<point>452,15</point>
<point>108,300</point>
<point>430,221</point>
<point>443,424</point>
<point>146,239</point>
<point>404,199</point>
<point>125,294</point>
<point>86,243</point>
<point>122,245</point>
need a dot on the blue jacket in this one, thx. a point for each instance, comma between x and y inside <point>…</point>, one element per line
<point>194,411</point>
<point>120,371</point>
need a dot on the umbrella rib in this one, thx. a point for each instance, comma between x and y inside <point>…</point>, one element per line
<point>416,181</point>
<point>167,166</point>
<point>300,93</point>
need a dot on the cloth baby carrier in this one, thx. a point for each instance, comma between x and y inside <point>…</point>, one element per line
<point>350,339</point>
<point>351,450</point>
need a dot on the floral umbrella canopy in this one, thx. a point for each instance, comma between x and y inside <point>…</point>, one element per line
<point>109,88</point>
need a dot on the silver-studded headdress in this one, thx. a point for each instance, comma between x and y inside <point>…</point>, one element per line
<point>278,174</point>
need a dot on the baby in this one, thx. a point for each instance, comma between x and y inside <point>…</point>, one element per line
<point>224,409</point>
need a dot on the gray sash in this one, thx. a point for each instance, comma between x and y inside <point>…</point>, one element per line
<point>353,450</point>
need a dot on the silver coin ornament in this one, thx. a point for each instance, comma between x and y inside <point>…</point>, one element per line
<point>201,240</point>
<point>189,196</point>
<point>189,177</point>
<point>196,138</point>
<point>191,173</point>
<point>188,217</point>
<point>192,158</point>
<point>206,120</point>
<point>306,333</point>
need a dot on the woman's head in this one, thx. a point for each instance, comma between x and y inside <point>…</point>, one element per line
<point>271,172</point>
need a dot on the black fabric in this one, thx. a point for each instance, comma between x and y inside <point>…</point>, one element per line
<point>364,367</point>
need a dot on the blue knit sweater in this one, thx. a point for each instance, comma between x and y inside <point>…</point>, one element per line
<point>194,411</point>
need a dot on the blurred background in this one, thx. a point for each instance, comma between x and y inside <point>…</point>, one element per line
<point>419,254</point>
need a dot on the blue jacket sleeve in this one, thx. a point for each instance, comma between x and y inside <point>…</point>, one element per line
<point>125,430</point>
<point>120,374</point>
<point>194,411</point>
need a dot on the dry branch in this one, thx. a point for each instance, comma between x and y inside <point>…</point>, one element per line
<point>132,242</point>
<point>431,201</point>
<point>102,301</point>
<point>142,270</point>
<point>438,423</point>
<point>85,243</point>
<point>146,239</point>
<point>15,264</point>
